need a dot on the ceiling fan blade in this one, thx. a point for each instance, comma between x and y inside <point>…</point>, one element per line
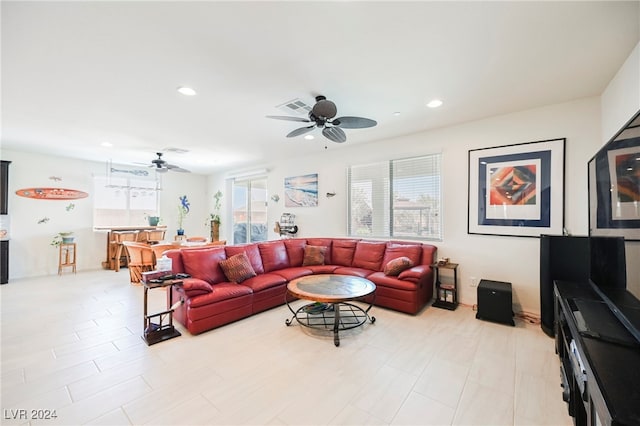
<point>334,134</point>
<point>301,131</point>
<point>285,117</point>
<point>175,168</point>
<point>354,122</point>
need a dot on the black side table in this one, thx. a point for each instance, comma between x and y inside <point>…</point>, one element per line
<point>446,294</point>
<point>159,327</point>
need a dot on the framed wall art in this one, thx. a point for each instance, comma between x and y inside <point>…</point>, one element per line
<point>614,186</point>
<point>301,191</point>
<point>517,190</point>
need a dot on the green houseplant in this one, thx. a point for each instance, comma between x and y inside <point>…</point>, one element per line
<point>62,238</point>
<point>214,217</point>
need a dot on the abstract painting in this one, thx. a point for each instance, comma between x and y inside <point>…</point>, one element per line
<point>517,189</point>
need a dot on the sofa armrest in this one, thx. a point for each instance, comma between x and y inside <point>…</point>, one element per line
<point>415,273</point>
<point>195,287</point>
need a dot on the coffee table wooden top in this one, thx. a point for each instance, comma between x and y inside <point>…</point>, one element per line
<point>330,288</point>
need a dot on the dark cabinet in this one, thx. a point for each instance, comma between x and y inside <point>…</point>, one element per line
<point>4,186</point>
<point>4,209</point>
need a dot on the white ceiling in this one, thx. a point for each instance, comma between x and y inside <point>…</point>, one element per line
<point>77,74</point>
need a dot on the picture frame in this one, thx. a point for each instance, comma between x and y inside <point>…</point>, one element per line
<point>301,191</point>
<point>614,186</point>
<point>517,190</point>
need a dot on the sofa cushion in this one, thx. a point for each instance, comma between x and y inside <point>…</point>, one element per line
<point>295,251</point>
<point>264,281</point>
<point>237,268</point>
<point>324,242</point>
<point>195,287</point>
<point>314,255</point>
<point>383,281</point>
<point>368,255</point>
<point>397,265</point>
<point>342,252</point>
<point>293,273</point>
<point>350,270</point>
<point>323,269</point>
<point>252,253</point>
<point>274,255</point>
<point>223,291</point>
<point>395,250</point>
<point>205,264</point>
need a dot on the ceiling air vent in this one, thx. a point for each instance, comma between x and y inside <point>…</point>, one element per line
<point>295,106</point>
<point>176,150</point>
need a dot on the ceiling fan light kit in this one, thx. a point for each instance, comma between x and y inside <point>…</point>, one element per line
<point>322,116</point>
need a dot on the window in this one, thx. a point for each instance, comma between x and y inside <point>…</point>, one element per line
<point>398,198</point>
<point>249,210</point>
<point>121,201</point>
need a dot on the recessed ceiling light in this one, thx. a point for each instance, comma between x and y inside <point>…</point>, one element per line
<point>434,103</point>
<point>397,113</point>
<point>187,91</point>
<point>309,137</point>
<point>107,144</point>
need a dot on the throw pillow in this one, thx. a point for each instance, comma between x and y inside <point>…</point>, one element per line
<point>397,265</point>
<point>314,255</point>
<point>237,268</point>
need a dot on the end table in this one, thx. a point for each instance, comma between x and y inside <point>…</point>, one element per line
<point>446,294</point>
<point>159,327</point>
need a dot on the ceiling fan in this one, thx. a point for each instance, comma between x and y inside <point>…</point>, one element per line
<point>322,116</point>
<point>162,166</point>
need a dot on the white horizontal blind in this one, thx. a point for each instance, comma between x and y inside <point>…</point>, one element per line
<point>120,201</point>
<point>398,198</point>
<point>369,200</point>
<point>417,197</point>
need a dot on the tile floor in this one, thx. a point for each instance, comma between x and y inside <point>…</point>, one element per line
<point>72,344</point>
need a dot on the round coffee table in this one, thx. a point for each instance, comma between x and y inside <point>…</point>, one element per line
<point>331,309</point>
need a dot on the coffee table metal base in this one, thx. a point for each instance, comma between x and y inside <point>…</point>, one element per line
<point>331,316</point>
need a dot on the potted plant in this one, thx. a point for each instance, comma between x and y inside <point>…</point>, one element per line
<point>214,217</point>
<point>153,220</point>
<point>183,210</point>
<point>62,238</point>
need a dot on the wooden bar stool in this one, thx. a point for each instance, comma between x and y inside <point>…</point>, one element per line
<point>118,237</point>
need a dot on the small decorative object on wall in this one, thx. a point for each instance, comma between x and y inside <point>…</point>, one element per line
<point>614,186</point>
<point>43,220</point>
<point>517,189</point>
<point>70,207</point>
<point>301,191</point>
<point>275,198</point>
<point>51,193</point>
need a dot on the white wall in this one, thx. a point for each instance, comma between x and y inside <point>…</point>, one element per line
<point>512,259</point>
<point>621,98</point>
<point>30,251</point>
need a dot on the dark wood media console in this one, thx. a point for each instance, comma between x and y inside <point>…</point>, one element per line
<point>600,358</point>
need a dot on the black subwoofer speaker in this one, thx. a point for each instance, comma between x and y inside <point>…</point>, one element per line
<point>564,258</point>
<point>495,302</point>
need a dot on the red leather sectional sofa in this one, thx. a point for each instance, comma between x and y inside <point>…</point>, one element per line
<point>210,300</point>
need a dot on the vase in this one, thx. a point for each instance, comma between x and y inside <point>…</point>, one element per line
<point>215,231</point>
<point>180,231</point>
<point>154,220</point>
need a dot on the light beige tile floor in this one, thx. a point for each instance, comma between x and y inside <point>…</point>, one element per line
<point>72,344</point>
